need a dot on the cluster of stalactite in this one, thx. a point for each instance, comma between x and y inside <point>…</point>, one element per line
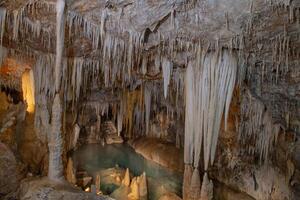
<point>134,111</point>
<point>210,81</point>
<point>257,132</point>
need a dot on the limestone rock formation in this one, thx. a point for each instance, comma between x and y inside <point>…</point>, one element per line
<point>110,133</point>
<point>71,172</point>
<point>160,152</point>
<point>142,182</point>
<point>11,172</point>
<point>126,179</point>
<point>41,189</point>
<point>169,196</point>
<point>134,190</point>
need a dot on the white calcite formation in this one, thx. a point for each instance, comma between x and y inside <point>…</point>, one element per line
<point>55,141</point>
<point>209,88</point>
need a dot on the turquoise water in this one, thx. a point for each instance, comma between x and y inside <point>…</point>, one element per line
<point>95,157</point>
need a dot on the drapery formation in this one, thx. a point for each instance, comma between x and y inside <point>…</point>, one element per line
<point>209,85</point>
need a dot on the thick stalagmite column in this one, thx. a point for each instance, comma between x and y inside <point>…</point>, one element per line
<point>195,187</point>
<point>55,141</point>
<point>187,177</point>
<point>206,189</point>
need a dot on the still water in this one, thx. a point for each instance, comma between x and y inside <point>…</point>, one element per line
<point>95,157</point>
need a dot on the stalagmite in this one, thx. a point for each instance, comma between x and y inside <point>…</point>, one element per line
<point>41,118</point>
<point>143,185</point>
<point>187,177</point>
<point>98,183</point>
<point>195,186</point>
<point>134,187</point>
<point>126,179</point>
<point>70,172</point>
<point>55,142</point>
<point>206,189</point>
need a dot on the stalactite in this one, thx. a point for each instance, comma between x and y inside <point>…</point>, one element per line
<point>44,75</point>
<point>77,78</point>
<point>178,78</point>
<point>257,126</point>
<point>167,68</point>
<point>17,20</point>
<point>102,28</point>
<point>157,63</point>
<point>60,33</point>
<point>147,101</point>
<point>189,102</point>
<point>32,27</point>
<point>144,66</point>
<point>209,87</point>
<point>3,54</point>
<point>120,118</point>
<point>2,24</point>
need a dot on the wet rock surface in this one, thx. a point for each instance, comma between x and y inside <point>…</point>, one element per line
<point>163,153</point>
<point>41,189</point>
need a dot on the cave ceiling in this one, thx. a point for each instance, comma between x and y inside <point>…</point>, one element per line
<point>158,22</point>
